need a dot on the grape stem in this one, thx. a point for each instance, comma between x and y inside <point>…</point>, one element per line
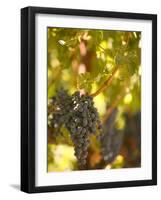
<point>106,84</point>
<point>119,97</point>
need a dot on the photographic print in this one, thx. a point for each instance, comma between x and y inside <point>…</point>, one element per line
<point>88,99</point>
<point>94,99</point>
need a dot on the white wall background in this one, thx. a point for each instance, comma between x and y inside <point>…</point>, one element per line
<point>10,99</point>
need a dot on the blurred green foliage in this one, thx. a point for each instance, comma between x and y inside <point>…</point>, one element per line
<point>83,59</point>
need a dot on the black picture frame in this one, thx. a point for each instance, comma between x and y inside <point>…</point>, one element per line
<point>28,98</point>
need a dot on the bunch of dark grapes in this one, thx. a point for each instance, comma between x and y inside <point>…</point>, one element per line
<point>80,117</point>
<point>111,139</point>
<point>133,128</point>
<point>84,121</point>
<point>132,140</point>
<point>62,106</point>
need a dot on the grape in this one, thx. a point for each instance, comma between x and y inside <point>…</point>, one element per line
<point>111,139</point>
<point>78,114</point>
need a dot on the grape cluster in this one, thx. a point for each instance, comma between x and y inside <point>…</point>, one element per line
<point>80,117</point>
<point>111,139</point>
<point>62,105</point>
<point>132,140</point>
<point>83,122</point>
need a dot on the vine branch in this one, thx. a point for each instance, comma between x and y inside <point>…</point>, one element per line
<point>106,84</point>
<point>116,101</point>
<point>122,93</point>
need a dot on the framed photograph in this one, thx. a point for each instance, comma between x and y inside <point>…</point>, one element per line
<point>88,99</point>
